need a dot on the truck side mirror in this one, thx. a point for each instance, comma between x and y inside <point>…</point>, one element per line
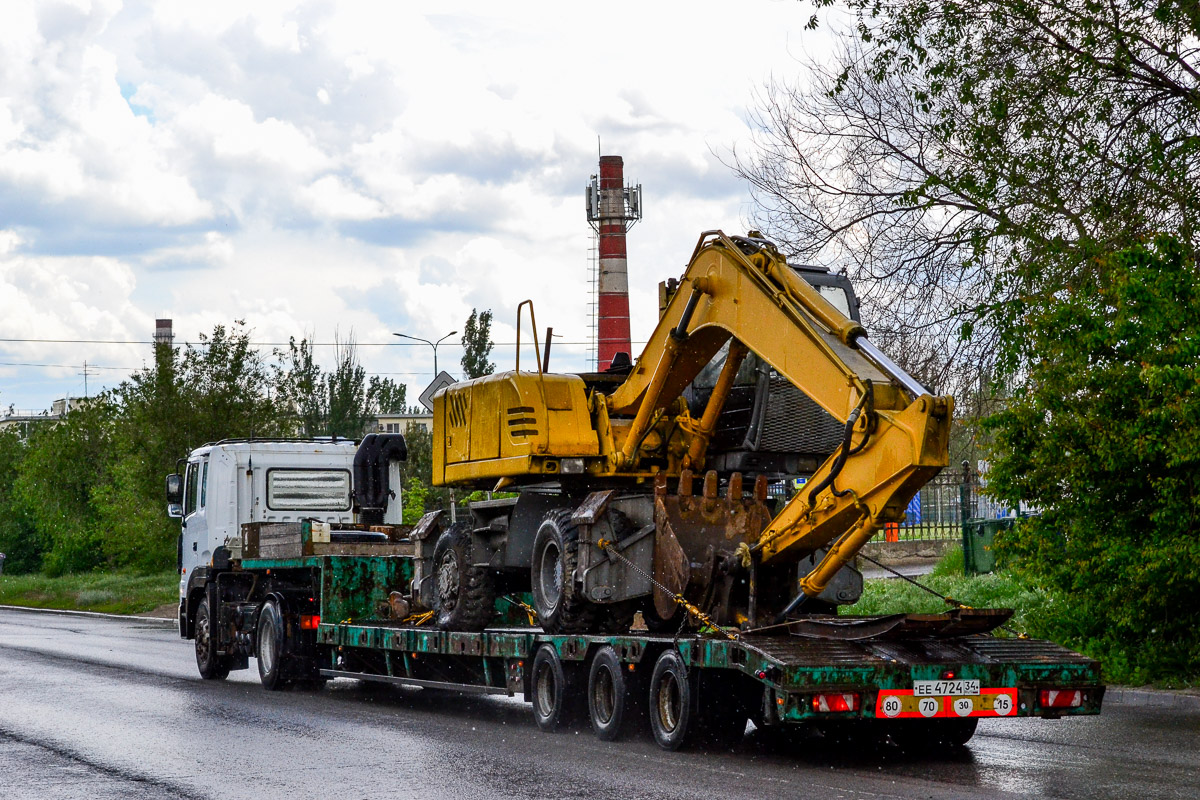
<point>174,510</point>
<point>175,490</point>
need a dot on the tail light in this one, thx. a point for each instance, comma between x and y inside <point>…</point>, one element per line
<point>309,622</point>
<point>842,701</point>
<point>1060,698</point>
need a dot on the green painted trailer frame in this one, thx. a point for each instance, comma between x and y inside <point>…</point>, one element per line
<point>356,640</point>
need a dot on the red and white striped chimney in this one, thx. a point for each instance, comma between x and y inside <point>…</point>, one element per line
<point>612,210</point>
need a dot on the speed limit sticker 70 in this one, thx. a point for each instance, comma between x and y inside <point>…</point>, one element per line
<point>903,704</point>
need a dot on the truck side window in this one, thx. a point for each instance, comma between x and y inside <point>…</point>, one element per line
<point>192,487</point>
<point>204,487</point>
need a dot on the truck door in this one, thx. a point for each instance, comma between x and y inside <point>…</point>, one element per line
<point>197,550</point>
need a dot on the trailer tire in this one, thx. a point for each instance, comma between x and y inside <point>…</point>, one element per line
<point>212,667</point>
<point>556,690</point>
<point>465,593</point>
<point>614,696</point>
<point>674,711</point>
<point>270,647</point>
<point>559,602</point>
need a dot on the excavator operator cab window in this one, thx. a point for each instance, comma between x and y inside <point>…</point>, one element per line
<point>837,297</point>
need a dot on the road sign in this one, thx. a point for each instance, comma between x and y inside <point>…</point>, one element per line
<point>443,380</point>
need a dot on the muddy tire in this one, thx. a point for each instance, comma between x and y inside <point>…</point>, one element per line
<point>559,601</point>
<point>465,593</point>
<point>271,648</point>
<point>556,690</point>
<point>674,710</point>
<point>211,666</point>
<point>616,698</point>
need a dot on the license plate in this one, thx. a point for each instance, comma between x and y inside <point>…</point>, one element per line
<point>958,688</point>
<point>907,704</point>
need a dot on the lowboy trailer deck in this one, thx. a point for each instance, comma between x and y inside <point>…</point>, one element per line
<point>319,610</point>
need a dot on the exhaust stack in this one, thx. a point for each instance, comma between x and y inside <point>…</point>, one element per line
<point>612,209</point>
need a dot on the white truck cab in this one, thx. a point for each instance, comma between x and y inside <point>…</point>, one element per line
<point>233,482</point>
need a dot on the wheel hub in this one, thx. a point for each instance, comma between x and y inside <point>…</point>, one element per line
<point>448,580</point>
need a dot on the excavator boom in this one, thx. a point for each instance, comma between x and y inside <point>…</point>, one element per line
<point>542,430</point>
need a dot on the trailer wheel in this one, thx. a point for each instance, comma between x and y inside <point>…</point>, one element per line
<point>560,605</point>
<point>269,647</point>
<point>211,666</point>
<point>465,593</point>
<point>614,699</point>
<point>556,690</point>
<point>674,712</point>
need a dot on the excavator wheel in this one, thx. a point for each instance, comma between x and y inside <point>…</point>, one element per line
<point>559,601</point>
<point>465,593</point>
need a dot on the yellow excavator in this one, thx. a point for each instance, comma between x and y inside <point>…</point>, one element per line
<point>617,506</point>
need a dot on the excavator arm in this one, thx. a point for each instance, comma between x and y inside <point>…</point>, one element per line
<point>896,434</point>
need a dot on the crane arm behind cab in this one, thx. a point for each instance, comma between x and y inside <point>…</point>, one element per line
<point>896,434</point>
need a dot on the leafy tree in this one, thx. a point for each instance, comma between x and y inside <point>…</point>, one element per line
<point>65,464</point>
<point>347,406</point>
<point>341,402</point>
<point>957,156</point>
<point>1103,436</point>
<point>300,388</point>
<point>419,466</point>
<point>477,345</point>
<point>19,539</point>
<point>388,397</point>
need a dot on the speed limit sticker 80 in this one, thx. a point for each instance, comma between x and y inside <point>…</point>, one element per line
<point>903,704</point>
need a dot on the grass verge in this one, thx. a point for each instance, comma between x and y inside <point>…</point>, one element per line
<point>996,590</point>
<point>1039,613</point>
<point>108,592</point>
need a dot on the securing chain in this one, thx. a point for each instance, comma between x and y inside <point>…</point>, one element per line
<point>679,599</point>
<point>530,611</point>
<point>945,598</point>
<point>417,620</point>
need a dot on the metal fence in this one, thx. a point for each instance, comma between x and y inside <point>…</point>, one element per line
<point>939,509</point>
<point>944,504</point>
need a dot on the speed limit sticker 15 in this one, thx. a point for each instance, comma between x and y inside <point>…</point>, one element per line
<point>903,704</point>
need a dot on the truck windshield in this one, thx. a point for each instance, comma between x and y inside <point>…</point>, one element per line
<point>308,489</point>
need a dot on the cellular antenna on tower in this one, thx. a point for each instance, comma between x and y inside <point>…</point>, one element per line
<point>612,209</point>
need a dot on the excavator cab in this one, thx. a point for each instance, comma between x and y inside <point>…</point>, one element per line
<point>768,426</point>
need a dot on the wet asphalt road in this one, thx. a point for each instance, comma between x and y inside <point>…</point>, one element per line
<point>103,708</point>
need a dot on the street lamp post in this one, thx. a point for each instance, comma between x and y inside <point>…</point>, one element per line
<point>434,345</point>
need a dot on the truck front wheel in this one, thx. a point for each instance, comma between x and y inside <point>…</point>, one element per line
<point>212,666</point>
<point>269,647</point>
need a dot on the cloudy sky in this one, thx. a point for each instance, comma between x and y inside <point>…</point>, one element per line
<point>328,169</point>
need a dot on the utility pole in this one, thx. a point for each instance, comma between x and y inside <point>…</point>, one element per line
<point>85,374</point>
